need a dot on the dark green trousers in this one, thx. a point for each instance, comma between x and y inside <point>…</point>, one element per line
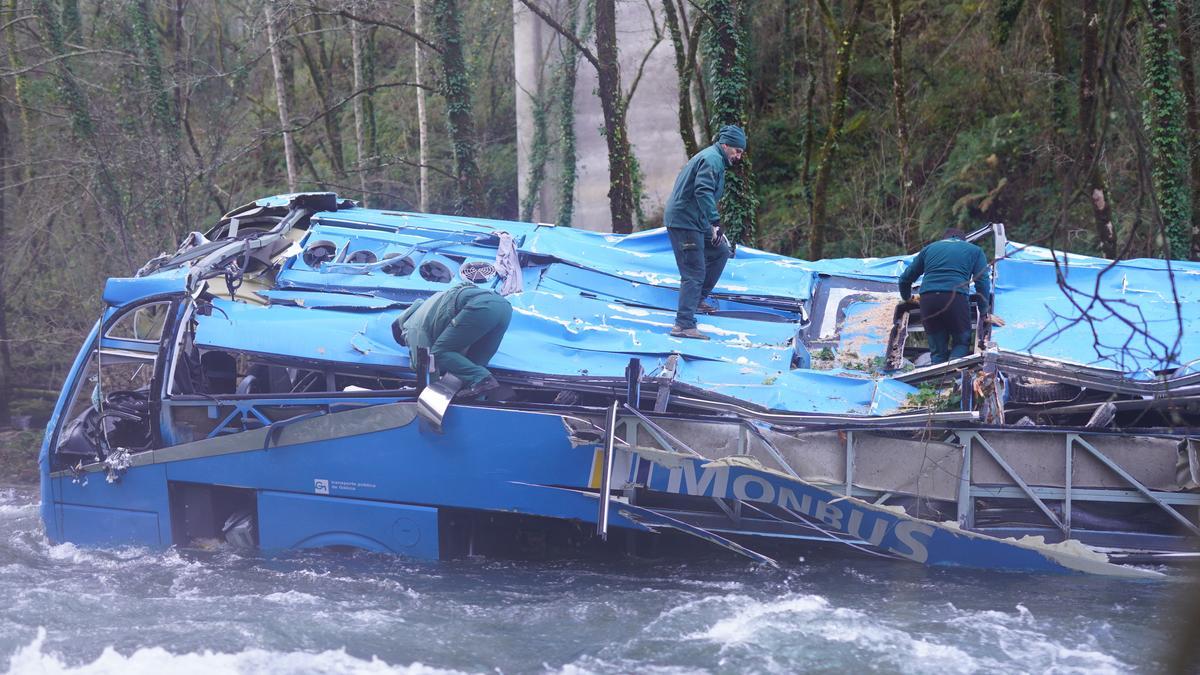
<point>472,338</point>
<point>700,263</point>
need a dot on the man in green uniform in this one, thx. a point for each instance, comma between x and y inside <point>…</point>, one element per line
<point>462,328</point>
<point>949,266</point>
<point>701,250</point>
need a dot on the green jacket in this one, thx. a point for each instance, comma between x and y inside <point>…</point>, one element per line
<point>693,201</point>
<point>425,319</point>
<point>949,265</point>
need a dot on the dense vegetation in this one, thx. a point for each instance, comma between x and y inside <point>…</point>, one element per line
<point>873,124</point>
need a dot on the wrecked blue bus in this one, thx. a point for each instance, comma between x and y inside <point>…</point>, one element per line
<point>246,389</point>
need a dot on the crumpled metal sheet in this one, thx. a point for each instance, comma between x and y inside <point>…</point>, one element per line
<point>1135,318</point>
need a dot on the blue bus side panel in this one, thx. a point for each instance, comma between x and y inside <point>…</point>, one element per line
<point>287,520</point>
<point>140,489</point>
<point>98,526</point>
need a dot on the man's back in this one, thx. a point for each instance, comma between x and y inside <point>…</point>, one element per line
<point>427,321</point>
<point>950,265</point>
<point>698,188</point>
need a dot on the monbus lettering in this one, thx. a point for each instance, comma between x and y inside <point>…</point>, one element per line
<point>830,515</point>
<point>765,491</point>
<point>912,538</point>
<point>878,529</point>
<point>906,532</point>
<point>717,478</point>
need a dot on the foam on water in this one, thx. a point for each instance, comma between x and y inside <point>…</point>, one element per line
<point>133,610</point>
<point>34,658</point>
<point>292,598</point>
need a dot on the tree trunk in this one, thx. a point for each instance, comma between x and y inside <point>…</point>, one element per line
<point>1089,157</point>
<point>724,55</point>
<point>360,117</point>
<point>23,169</point>
<point>71,21</point>
<point>320,68</point>
<point>422,115</point>
<point>285,118</point>
<point>1052,36</point>
<point>5,351</point>
<point>1188,69</point>
<point>146,36</point>
<point>1165,127</point>
<point>910,226</point>
<point>538,147</point>
<point>83,126</point>
<point>566,118</point>
<point>810,124</point>
<point>687,123</point>
<point>837,117</point>
<point>695,75</point>
<point>612,103</point>
<point>460,118</point>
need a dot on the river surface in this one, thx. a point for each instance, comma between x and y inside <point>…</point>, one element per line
<point>131,610</point>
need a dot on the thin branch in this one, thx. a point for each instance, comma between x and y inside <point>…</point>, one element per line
<point>558,28</point>
<point>658,38</point>
<point>385,24</point>
<point>828,19</point>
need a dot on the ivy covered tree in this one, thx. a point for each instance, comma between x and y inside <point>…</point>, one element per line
<point>460,120</point>
<point>613,104</point>
<point>1165,126</point>
<point>724,48</point>
<point>846,34</point>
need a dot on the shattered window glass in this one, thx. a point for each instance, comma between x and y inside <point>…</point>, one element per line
<point>119,374</point>
<point>144,324</point>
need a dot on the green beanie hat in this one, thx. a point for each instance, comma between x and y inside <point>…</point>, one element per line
<point>733,136</point>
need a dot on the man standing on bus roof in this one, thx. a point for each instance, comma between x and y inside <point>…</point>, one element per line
<point>949,266</point>
<point>701,249</point>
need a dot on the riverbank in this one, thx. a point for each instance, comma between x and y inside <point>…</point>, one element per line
<point>18,457</point>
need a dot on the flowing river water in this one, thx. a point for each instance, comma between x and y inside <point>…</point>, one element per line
<point>131,610</point>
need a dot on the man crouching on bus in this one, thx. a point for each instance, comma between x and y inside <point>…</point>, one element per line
<point>462,328</point>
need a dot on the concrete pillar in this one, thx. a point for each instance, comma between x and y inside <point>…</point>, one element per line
<point>652,115</point>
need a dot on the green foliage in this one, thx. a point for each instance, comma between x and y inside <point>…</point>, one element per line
<point>146,37</point>
<point>1165,127</point>
<point>723,44</point>
<point>1006,14</point>
<point>934,397</point>
<point>456,88</point>
<point>68,90</point>
<point>18,456</point>
<point>972,186</point>
<point>568,69</point>
<point>538,154</point>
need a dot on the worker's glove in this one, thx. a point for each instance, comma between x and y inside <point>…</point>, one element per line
<point>718,235</point>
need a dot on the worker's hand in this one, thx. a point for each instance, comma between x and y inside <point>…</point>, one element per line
<point>718,236</point>
<point>915,298</point>
<point>995,320</point>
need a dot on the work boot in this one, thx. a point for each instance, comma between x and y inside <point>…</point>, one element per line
<point>705,307</point>
<point>693,333</point>
<point>479,388</point>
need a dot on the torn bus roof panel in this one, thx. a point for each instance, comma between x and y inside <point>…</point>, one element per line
<point>1137,318</point>
<point>594,300</point>
<point>553,336</point>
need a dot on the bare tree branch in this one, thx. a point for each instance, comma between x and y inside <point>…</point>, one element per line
<point>558,28</point>
<point>382,23</point>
